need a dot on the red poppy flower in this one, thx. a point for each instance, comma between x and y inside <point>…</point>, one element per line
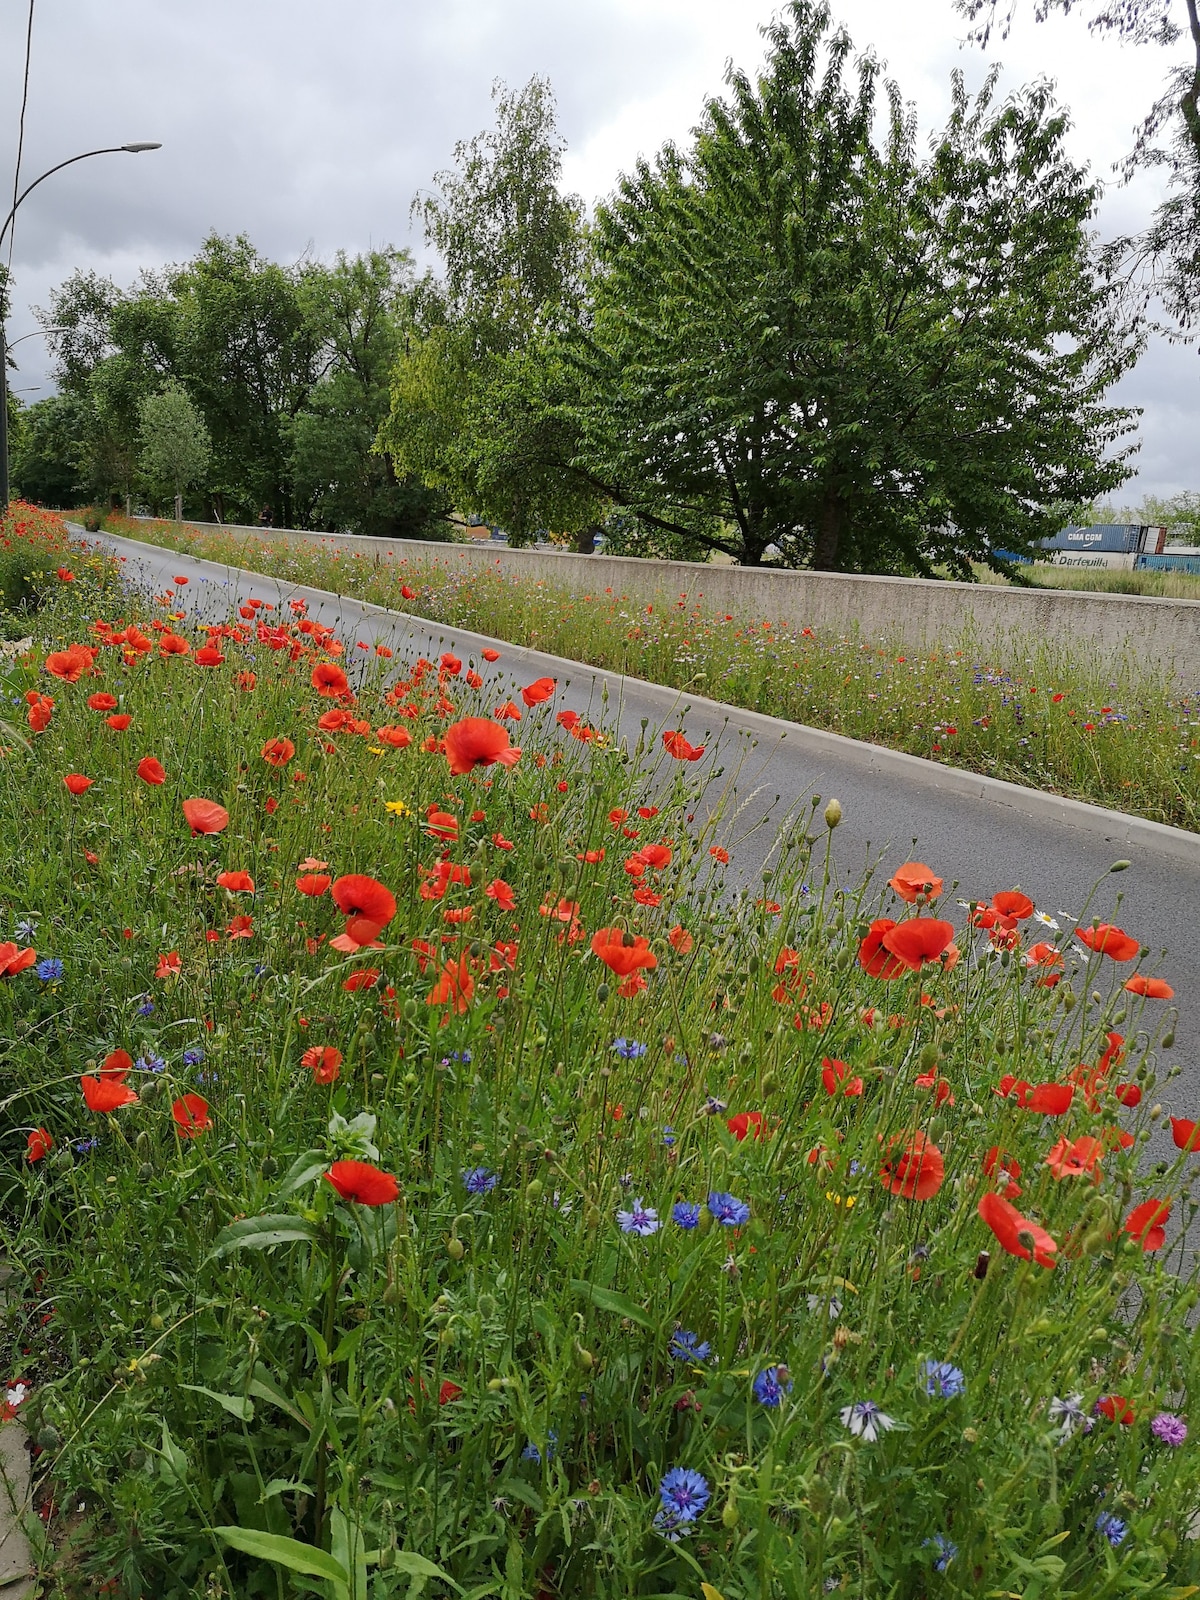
<point>1129,1095</point>
<point>116,1064</point>
<point>623,953</point>
<point>102,702</point>
<point>676,745</point>
<point>835,1079</point>
<point>1146,1223</point>
<point>1116,1408</point>
<point>151,770</point>
<point>918,940</point>
<point>540,690</point>
<point>169,965</point>
<point>208,656</point>
<point>875,961</point>
<point>398,738</point>
<point>443,825</point>
<point>489,654</point>
<point>180,581</point>
<point>106,1094</point>
<point>313,883</point>
<point>77,783</point>
<point>1109,940</point>
<point>236,882</point>
<point>246,681</point>
<point>1151,988</point>
<point>190,1113</point>
<point>449,1391</point>
<point>119,723</point>
<point>1012,903</point>
<point>478,742</point>
<point>917,1170</point>
<point>746,1124</point>
<point>455,986</point>
<point>41,708</point>
<point>205,816</point>
<point>324,1061</point>
<point>680,939</point>
<point>502,894</point>
<point>1076,1158</point>
<point>367,905</point>
<point>241,927</point>
<point>1010,1227</point>
<point>361,1182</point>
<point>14,960</point>
<point>915,880</point>
<point>364,978</point>
<point>278,752</point>
<point>70,665</point>
<point>38,1145</point>
<point>451,664</point>
<point>1184,1132</point>
<point>329,680</point>
<point>998,1162</point>
<point>172,645</point>
<point>1048,959</point>
<point>1049,1099</point>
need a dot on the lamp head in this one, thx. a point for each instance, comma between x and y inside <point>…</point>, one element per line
<point>135,148</point>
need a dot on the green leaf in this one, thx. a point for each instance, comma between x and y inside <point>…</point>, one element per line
<point>609,1300</point>
<point>418,1567</point>
<point>263,1388</point>
<point>260,1233</point>
<point>285,1552</point>
<point>237,1405</point>
<point>303,1170</point>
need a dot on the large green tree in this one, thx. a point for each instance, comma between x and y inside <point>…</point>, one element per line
<point>478,394</point>
<point>363,310</point>
<point>806,335</point>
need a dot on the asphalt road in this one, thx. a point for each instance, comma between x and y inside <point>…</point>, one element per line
<point>896,808</point>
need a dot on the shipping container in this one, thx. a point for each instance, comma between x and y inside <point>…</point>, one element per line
<point>1170,562</point>
<point>1113,538</point>
<point>1118,561</point>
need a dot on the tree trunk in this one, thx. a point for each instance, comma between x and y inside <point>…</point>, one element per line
<point>825,550</point>
<point>178,507</point>
<point>585,539</point>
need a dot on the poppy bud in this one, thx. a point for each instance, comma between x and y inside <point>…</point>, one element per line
<point>145,1172</point>
<point>533,1191</point>
<point>585,1358</point>
<point>1119,866</point>
<point>48,1438</point>
<point>1168,1039</point>
<point>770,1083</point>
<point>842,960</point>
<point>156,1322</point>
<point>142,1142</point>
<point>410,1008</point>
<point>929,1057</point>
<point>833,813</point>
<point>455,1249</point>
<point>495,1385</point>
<point>1068,997</point>
<point>602,993</point>
<point>386,1558</point>
<point>730,1513</point>
<point>1155,1112</point>
<point>392,1295</point>
<point>269,1167</point>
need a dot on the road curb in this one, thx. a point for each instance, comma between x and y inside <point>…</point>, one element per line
<point>1115,827</point>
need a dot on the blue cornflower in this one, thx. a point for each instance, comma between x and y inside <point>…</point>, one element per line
<point>49,969</point>
<point>942,1380</point>
<point>26,929</point>
<point>946,1549</point>
<point>771,1384</point>
<point>685,1214</point>
<point>193,1057</point>
<point>684,1494</point>
<point>149,1062</point>
<point>532,1453</point>
<point>733,1213</point>
<point>640,1219</point>
<point>478,1180</point>
<point>261,969</point>
<point>84,1145</point>
<point>685,1346</point>
<point>457,1055</point>
<point>1113,1529</point>
<point>668,1137</point>
<point>631,1049</point>
<point>146,1009</point>
<point>714,1107</point>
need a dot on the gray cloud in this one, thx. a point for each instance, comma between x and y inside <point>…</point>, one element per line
<point>308,125</point>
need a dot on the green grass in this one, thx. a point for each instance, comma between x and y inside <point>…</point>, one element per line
<point>229,1369</point>
<point>1100,580</point>
<point>1015,708</point>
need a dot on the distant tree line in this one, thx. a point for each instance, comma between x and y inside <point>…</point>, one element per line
<point>800,337</point>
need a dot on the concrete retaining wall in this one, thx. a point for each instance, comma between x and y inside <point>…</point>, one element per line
<point>1163,635</point>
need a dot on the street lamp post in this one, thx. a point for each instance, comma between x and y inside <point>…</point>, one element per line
<point>108,150</point>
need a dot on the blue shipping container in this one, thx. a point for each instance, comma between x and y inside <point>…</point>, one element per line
<point>1106,538</point>
<point>1169,564</point>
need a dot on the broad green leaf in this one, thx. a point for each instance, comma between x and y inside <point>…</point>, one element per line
<point>263,1388</point>
<point>285,1552</point>
<point>418,1567</point>
<point>237,1405</point>
<point>609,1300</point>
<point>260,1233</point>
<point>303,1170</point>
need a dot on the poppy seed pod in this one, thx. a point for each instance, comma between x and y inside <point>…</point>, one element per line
<point>833,813</point>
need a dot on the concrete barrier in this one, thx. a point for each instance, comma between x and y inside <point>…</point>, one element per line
<point>1163,636</point>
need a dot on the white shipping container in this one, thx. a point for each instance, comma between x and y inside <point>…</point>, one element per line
<point>1114,561</point>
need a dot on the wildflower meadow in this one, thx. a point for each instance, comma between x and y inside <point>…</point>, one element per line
<point>1020,708</point>
<point>428,1166</point>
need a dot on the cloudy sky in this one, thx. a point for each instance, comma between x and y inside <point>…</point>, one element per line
<point>310,126</point>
